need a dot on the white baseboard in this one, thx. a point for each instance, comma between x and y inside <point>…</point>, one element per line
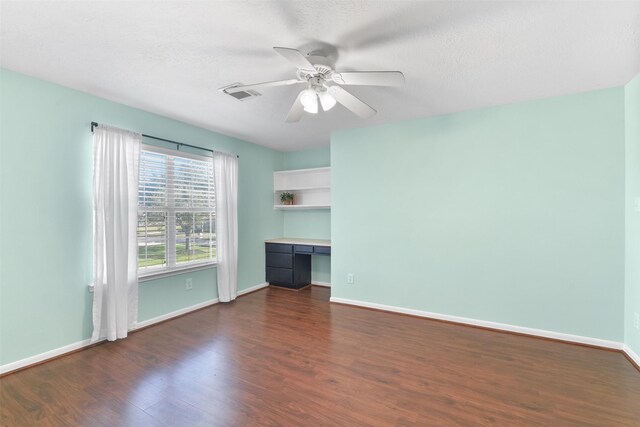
<point>632,354</point>
<point>253,288</point>
<point>32,360</point>
<point>18,364</point>
<point>486,324</point>
<point>318,283</point>
<point>175,313</point>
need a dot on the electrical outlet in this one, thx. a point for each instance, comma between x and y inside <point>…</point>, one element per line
<point>636,205</point>
<point>350,278</point>
<point>636,320</point>
<point>188,284</point>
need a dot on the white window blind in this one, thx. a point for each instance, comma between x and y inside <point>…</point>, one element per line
<point>176,211</point>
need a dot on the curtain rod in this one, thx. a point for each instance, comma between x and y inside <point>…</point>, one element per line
<point>179,144</point>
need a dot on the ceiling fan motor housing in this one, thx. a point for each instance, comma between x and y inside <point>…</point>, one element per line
<point>317,83</point>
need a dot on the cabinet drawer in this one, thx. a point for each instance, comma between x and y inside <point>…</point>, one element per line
<point>279,275</point>
<point>279,247</point>
<point>322,250</point>
<point>303,249</point>
<point>275,259</point>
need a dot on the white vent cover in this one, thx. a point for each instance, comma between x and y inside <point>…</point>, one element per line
<point>242,95</point>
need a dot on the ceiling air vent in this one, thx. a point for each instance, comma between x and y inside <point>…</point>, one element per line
<point>241,95</point>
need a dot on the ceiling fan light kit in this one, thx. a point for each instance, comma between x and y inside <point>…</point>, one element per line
<point>327,101</point>
<point>317,90</point>
<point>324,84</point>
<point>309,100</point>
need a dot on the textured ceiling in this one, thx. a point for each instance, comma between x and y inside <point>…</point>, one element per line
<point>171,57</point>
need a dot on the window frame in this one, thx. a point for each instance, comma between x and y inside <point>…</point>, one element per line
<point>151,273</point>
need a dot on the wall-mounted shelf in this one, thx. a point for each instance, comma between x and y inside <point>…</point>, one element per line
<point>311,187</point>
<point>300,207</point>
<point>306,188</point>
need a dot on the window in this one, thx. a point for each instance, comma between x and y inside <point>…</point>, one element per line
<point>176,211</point>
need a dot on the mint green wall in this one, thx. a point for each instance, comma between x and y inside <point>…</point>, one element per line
<point>311,224</point>
<point>304,159</point>
<point>511,214</point>
<point>632,259</point>
<point>46,215</point>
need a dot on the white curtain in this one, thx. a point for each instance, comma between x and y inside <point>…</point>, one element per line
<point>116,155</point>
<point>225,170</point>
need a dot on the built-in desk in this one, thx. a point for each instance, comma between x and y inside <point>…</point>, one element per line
<point>288,260</point>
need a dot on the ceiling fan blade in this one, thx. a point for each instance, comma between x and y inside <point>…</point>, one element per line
<point>296,58</point>
<point>296,111</point>
<point>234,89</point>
<point>351,102</point>
<point>369,78</point>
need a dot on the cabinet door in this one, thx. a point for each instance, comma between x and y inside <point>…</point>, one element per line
<point>275,259</point>
<point>279,275</point>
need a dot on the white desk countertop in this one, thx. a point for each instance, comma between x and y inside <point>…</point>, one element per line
<point>295,241</point>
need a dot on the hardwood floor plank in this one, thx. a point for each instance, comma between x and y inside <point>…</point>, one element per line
<point>276,357</point>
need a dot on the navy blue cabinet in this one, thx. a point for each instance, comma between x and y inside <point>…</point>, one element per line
<point>289,265</point>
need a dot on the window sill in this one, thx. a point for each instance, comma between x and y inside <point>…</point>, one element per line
<point>174,272</point>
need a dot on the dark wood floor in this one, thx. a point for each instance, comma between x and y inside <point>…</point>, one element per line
<point>279,357</point>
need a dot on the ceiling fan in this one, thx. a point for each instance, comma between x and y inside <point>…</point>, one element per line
<point>324,84</point>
